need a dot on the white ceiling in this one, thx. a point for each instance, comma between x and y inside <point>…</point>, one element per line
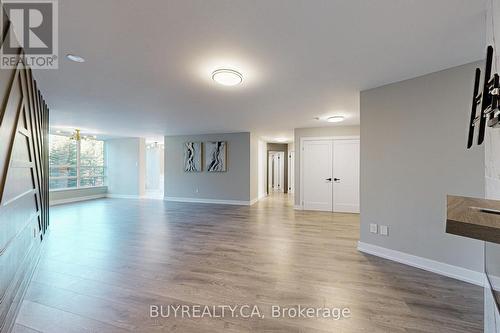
<point>148,63</point>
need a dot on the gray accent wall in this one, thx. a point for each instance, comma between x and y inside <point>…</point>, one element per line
<point>232,185</point>
<point>126,166</point>
<point>413,153</point>
<point>300,133</point>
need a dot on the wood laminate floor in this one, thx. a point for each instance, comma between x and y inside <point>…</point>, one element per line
<point>106,261</point>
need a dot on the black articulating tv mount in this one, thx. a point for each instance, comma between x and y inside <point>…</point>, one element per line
<point>488,99</point>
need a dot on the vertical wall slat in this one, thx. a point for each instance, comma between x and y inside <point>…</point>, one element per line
<point>24,185</point>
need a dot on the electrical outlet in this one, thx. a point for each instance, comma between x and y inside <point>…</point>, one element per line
<point>373,228</point>
<point>196,190</point>
<point>384,230</point>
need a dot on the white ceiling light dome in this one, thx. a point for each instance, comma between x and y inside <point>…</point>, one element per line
<point>75,58</point>
<point>336,119</point>
<point>227,77</point>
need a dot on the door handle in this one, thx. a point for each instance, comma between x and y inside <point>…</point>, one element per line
<point>329,179</point>
<point>336,179</point>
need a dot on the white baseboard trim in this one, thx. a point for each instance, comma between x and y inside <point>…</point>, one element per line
<point>495,281</point>
<point>298,207</point>
<point>124,196</point>
<point>437,267</point>
<point>260,197</point>
<point>254,201</point>
<point>76,199</point>
<point>209,201</point>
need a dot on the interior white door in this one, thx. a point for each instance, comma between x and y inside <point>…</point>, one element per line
<point>281,170</point>
<point>291,172</point>
<point>270,173</point>
<point>276,172</point>
<point>346,176</point>
<point>317,157</point>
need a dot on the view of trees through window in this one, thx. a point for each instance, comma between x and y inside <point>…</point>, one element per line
<point>75,163</point>
<point>91,163</point>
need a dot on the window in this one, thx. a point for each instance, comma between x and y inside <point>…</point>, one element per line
<point>91,163</point>
<point>62,162</point>
<point>74,163</point>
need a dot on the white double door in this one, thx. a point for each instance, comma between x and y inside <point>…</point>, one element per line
<point>330,175</point>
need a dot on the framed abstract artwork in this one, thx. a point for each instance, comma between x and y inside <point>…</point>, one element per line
<point>192,157</point>
<point>215,153</point>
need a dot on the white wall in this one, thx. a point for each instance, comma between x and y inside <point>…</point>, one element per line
<point>254,167</point>
<point>126,167</point>
<point>142,167</point>
<point>154,167</point>
<point>413,153</point>
<point>492,138</point>
<point>492,178</point>
<point>300,133</point>
<point>262,167</point>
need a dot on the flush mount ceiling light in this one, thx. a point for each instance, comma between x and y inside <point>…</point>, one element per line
<point>280,140</point>
<point>75,58</point>
<point>335,119</point>
<point>227,77</point>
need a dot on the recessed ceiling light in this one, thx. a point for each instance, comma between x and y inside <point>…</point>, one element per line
<point>227,77</point>
<point>75,58</point>
<point>336,119</point>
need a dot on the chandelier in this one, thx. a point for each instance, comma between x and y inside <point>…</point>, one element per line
<point>77,136</point>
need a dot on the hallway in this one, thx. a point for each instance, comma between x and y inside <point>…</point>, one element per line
<point>106,261</point>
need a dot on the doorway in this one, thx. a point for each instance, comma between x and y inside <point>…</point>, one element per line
<point>155,157</point>
<point>276,171</point>
<point>291,172</point>
<point>330,174</point>
<point>277,168</point>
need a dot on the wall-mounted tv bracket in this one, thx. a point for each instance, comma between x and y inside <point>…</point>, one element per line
<point>489,98</point>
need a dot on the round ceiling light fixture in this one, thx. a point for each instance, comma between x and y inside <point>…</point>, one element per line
<point>75,58</point>
<point>227,77</point>
<point>336,119</point>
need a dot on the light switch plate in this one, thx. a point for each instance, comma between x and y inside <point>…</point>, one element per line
<point>373,228</point>
<point>384,230</point>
